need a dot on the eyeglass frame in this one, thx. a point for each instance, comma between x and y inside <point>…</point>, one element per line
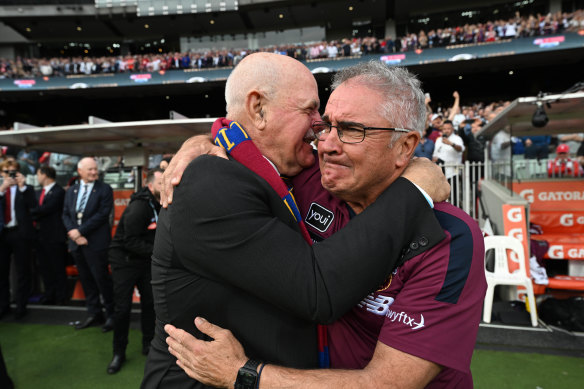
<point>340,131</point>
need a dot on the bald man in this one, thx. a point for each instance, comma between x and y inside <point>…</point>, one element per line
<point>86,215</point>
<point>230,231</point>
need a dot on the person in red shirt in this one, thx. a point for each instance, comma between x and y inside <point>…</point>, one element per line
<point>563,165</point>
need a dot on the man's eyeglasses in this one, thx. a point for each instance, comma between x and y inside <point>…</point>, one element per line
<point>347,134</point>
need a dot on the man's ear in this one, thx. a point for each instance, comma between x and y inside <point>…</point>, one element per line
<point>254,107</point>
<point>407,143</point>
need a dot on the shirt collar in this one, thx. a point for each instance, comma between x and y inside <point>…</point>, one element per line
<point>47,188</point>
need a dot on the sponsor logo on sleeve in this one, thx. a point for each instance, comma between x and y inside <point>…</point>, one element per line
<point>404,318</point>
<point>319,217</point>
<point>378,305</point>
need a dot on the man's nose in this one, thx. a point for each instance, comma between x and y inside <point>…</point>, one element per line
<point>331,144</point>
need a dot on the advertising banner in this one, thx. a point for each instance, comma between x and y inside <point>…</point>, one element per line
<point>552,195</point>
<point>121,201</point>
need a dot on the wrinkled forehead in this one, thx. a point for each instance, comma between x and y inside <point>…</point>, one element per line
<point>353,101</point>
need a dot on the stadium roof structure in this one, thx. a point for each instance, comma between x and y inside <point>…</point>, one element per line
<point>101,137</point>
<point>565,113</point>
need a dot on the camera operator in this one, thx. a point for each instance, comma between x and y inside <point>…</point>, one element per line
<point>17,236</point>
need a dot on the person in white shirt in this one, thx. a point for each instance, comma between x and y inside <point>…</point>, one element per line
<point>448,150</point>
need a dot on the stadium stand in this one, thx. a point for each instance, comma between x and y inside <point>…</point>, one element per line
<point>529,47</point>
<point>482,32</point>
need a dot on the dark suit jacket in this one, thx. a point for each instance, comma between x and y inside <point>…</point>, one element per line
<point>1,213</point>
<point>228,249</point>
<point>24,202</point>
<point>49,215</point>
<point>95,224</point>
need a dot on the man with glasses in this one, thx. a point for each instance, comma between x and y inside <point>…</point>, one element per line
<point>233,247</point>
<point>17,236</point>
<point>417,328</point>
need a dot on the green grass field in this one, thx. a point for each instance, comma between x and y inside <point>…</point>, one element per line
<point>55,357</point>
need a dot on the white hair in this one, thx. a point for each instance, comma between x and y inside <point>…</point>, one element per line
<point>404,105</point>
<point>81,162</point>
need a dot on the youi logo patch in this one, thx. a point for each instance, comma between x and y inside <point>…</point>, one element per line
<point>319,217</point>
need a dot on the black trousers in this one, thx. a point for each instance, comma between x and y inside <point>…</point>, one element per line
<point>51,260</point>
<point>95,279</point>
<point>125,276</point>
<point>5,381</point>
<point>13,242</point>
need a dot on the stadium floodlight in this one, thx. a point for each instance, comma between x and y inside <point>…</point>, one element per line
<point>171,7</point>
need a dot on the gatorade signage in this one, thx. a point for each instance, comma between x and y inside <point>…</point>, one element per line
<point>515,225</point>
<point>552,195</point>
<point>121,201</point>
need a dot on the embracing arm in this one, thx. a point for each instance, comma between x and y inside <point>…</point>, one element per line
<point>225,227</point>
<point>190,149</point>
<point>217,362</point>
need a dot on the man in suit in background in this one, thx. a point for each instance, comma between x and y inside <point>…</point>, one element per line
<point>17,199</point>
<point>86,217</point>
<point>130,258</point>
<point>51,236</point>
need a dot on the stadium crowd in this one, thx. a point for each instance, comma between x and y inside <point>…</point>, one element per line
<point>488,31</point>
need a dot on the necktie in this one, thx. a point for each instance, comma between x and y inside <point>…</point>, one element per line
<point>7,206</point>
<point>42,197</point>
<point>83,199</point>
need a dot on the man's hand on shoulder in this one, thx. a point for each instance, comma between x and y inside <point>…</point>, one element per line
<point>428,176</point>
<point>191,149</point>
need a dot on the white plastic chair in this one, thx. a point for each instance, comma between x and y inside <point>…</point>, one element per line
<point>501,275</point>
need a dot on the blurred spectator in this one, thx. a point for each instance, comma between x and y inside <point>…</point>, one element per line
<point>129,256</point>
<point>27,160</point>
<point>563,165</point>
<point>17,200</point>
<point>448,150</point>
<point>425,148</point>
<point>574,141</point>
<point>474,144</point>
<point>536,147</point>
<point>435,129</point>
<point>52,236</point>
<point>165,161</point>
<point>484,31</point>
<point>86,215</point>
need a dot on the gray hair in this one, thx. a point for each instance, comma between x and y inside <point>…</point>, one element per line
<point>404,106</point>
<point>248,75</point>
